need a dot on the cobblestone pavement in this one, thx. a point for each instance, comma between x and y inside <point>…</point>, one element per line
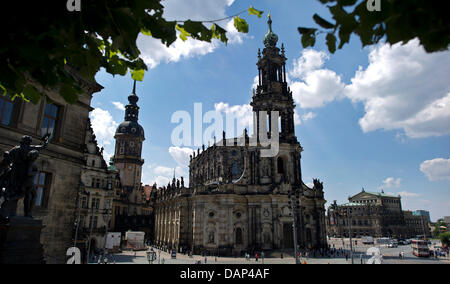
<point>390,256</point>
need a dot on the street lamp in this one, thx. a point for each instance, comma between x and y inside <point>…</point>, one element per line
<point>82,190</point>
<point>294,202</point>
<point>107,216</point>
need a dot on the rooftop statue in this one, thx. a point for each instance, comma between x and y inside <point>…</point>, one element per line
<point>17,172</point>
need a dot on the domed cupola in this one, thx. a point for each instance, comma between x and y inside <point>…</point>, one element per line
<point>271,39</point>
<point>131,126</point>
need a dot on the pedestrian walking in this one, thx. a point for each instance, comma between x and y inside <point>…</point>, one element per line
<point>361,258</point>
<point>256,256</point>
<point>346,256</point>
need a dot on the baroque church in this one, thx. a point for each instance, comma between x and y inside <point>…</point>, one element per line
<point>238,199</point>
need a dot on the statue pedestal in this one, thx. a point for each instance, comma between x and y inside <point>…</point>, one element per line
<point>20,241</point>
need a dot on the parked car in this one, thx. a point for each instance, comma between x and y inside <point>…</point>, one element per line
<point>392,245</point>
<point>367,240</point>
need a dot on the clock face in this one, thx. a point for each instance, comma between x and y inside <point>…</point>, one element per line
<point>133,130</point>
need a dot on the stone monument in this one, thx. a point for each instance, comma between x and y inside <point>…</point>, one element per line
<point>20,236</point>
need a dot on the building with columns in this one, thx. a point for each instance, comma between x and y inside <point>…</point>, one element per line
<point>238,197</point>
<point>375,214</point>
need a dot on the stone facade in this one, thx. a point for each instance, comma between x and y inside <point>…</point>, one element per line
<point>237,199</point>
<point>59,166</point>
<point>373,214</point>
<point>96,196</point>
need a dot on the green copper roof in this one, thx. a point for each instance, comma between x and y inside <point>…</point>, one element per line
<point>271,39</point>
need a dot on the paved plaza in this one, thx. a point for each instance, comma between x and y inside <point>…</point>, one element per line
<point>390,256</point>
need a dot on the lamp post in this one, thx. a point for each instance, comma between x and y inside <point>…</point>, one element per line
<point>349,211</point>
<point>81,191</point>
<point>91,227</point>
<point>107,216</point>
<point>294,202</point>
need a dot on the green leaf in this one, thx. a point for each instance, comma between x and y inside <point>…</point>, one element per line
<point>219,33</point>
<point>253,11</point>
<point>323,23</point>
<point>183,33</point>
<point>138,74</point>
<point>69,93</point>
<point>241,25</point>
<point>306,30</point>
<point>31,94</point>
<point>146,32</point>
<point>331,42</point>
<point>347,2</point>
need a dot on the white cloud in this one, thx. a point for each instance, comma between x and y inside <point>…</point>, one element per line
<point>436,169</point>
<point>408,194</point>
<point>404,88</point>
<point>181,155</point>
<point>316,87</point>
<point>308,116</point>
<point>168,172</point>
<point>233,35</point>
<point>119,105</point>
<point>242,113</point>
<point>405,194</point>
<point>160,181</point>
<point>104,126</point>
<point>309,61</point>
<point>297,119</point>
<point>154,52</point>
<point>391,182</point>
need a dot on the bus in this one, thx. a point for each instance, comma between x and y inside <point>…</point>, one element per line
<point>420,248</point>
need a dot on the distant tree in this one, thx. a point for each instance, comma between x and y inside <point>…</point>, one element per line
<point>445,239</point>
<point>42,41</point>
<point>396,21</point>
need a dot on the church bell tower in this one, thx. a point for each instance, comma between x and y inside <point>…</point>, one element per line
<point>129,139</point>
<point>272,92</point>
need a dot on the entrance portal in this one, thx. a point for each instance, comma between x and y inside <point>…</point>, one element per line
<point>288,239</point>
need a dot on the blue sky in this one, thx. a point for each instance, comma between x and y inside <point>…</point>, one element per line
<point>377,117</point>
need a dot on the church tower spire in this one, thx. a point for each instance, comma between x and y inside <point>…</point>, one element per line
<point>272,92</point>
<point>129,139</point>
<point>132,109</point>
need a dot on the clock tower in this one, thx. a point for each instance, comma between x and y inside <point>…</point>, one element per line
<point>127,157</point>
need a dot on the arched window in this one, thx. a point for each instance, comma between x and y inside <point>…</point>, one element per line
<point>280,165</point>
<point>239,236</point>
